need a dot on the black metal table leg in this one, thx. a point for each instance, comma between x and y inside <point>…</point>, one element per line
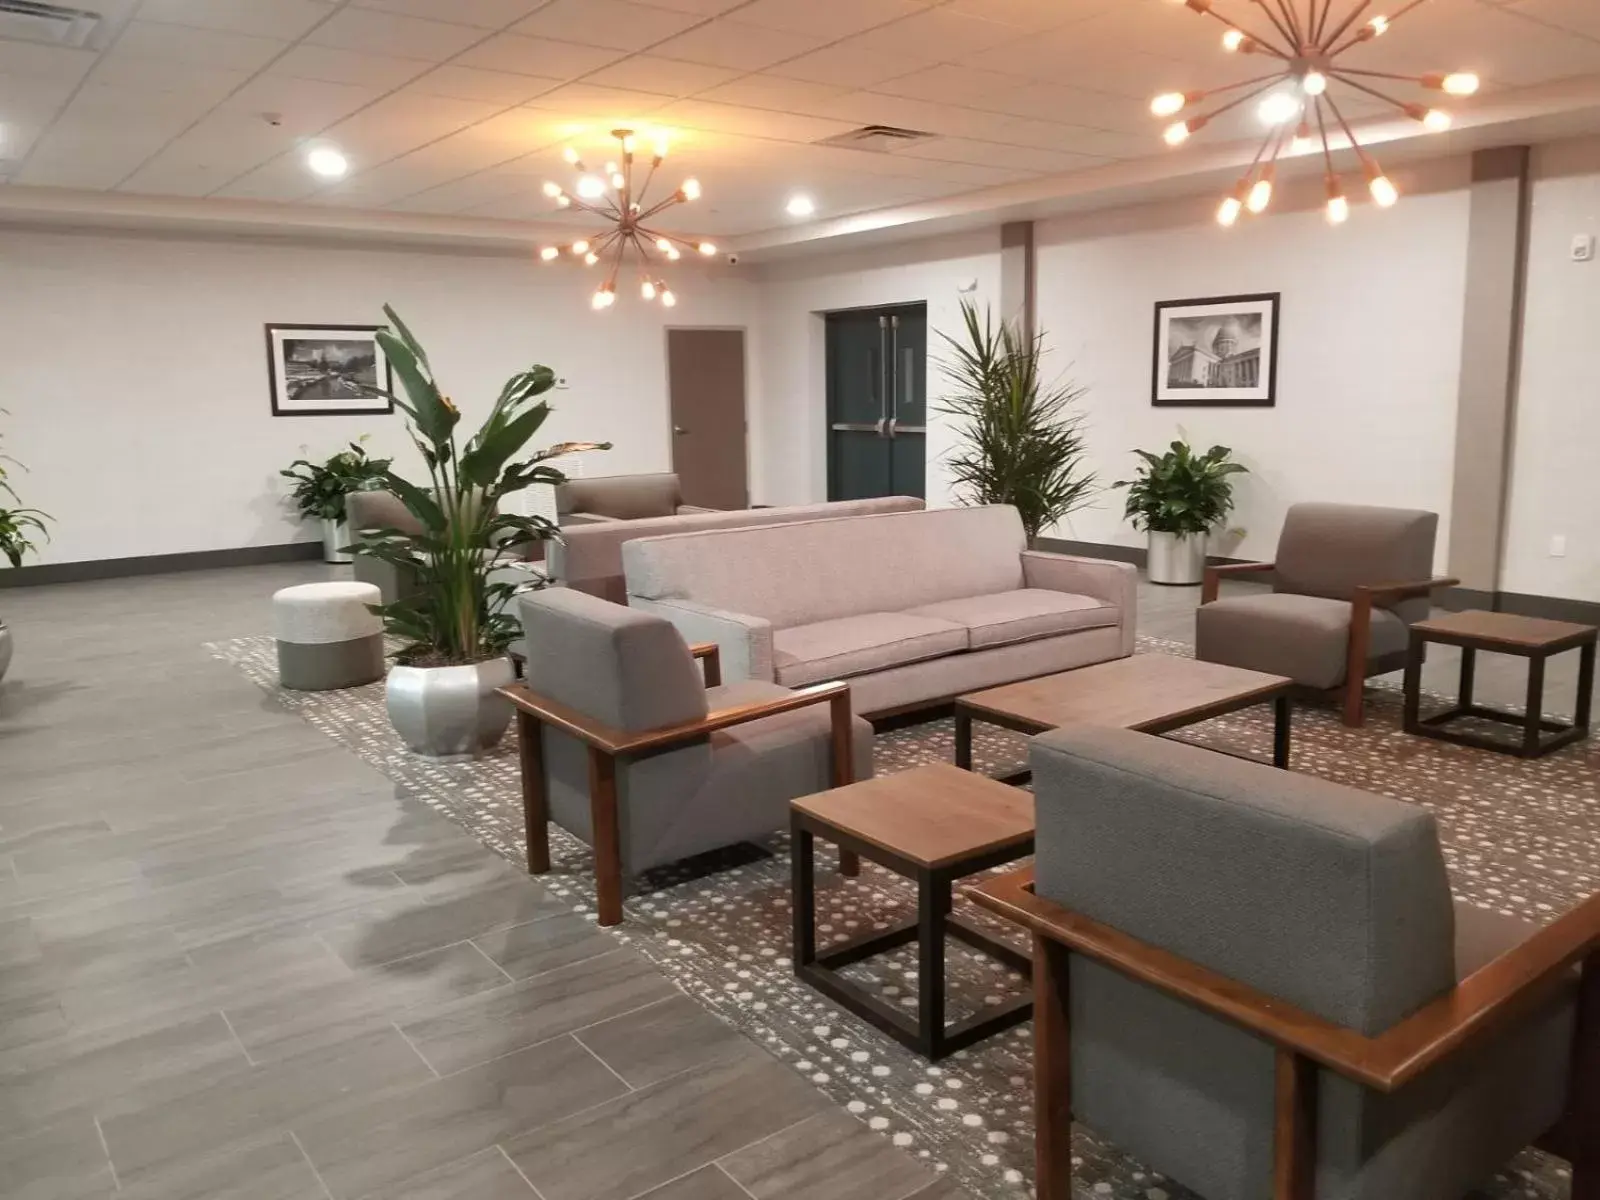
<point>933,903</point>
<point>963,739</point>
<point>803,856</point>
<point>1580,715</point>
<point>1282,725</point>
<point>1469,670</point>
<point>1413,683</point>
<point>1534,716</point>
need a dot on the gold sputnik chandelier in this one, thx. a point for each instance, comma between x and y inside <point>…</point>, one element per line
<point>1309,42</point>
<point>609,194</point>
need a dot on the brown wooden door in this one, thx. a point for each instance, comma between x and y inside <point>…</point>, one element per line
<point>705,379</point>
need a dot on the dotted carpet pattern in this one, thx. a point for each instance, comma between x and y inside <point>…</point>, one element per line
<point>1522,838</point>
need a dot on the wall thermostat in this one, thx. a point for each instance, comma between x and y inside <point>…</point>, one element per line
<point>1583,247</point>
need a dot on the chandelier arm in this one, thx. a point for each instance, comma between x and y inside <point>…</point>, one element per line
<point>1372,91</point>
<point>649,177</point>
<point>1288,37</point>
<point>1357,39</point>
<point>1321,23</point>
<point>1234,103</point>
<point>1264,43</point>
<point>1350,19</point>
<point>582,206</point>
<point>1298,37</point>
<point>1416,79</point>
<point>1349,133</point>
<point>659,206</point>
<point>1233,87</point>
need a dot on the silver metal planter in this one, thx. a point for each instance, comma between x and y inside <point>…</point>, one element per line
<point>335,536</point>
<point>450,712</point>
<point>1177,559</point>
<point>5,649</point>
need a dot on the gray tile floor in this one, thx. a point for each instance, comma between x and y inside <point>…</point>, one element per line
<point>234,962</point>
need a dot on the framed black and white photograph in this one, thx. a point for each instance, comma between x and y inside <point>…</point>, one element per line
<point>327,371</point>
<point>1220,352</point>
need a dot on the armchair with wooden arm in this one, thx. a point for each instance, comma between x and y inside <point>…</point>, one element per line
<point>1329,623</point>
<point>1505,1053</point>
<point>626,745</point>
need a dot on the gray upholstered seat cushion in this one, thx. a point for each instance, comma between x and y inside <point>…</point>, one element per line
<point>1022,615</point>
<point>620,497</point>
<point>845,646</point>
<point>1329,549</point>
<point>1306,638</point>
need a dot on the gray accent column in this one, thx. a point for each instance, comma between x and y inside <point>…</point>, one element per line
<point>1017,292</point>
<point>1491,355</point>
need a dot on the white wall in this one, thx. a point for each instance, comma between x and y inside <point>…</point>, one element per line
<point>789,448</point>
<point>1369,346</point>
<point>1555,477</point>
<point>136,374</point>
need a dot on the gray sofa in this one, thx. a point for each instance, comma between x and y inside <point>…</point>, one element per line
<point>620,498</point>
<point>912,608</point>
<point>1322,899</point>
<point>589,556</point>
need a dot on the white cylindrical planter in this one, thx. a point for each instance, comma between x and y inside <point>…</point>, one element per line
<point>5,649</point>
<point>450,712</point>
<point>335,536</point>
<point>1177,559</point>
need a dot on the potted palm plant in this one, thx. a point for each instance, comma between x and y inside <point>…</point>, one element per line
<point>1020,442</point>
<point>18,528</point>
<point>454,627</point>
<point>320,488</point>
<point>1178,499</point>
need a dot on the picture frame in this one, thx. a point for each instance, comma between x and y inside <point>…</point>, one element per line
<point>324,371</point>
<point>1216,352</point>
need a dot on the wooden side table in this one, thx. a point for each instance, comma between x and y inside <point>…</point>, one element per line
<point>1502,633</point>
<point>932,824</point>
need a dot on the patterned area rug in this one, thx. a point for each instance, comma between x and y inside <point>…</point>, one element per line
<point>1520,838</point>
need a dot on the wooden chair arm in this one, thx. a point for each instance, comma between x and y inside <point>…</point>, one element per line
<point>1407,591</point>
<point>710,655</point>
<point>1485,1000</point>
<point>1212,584</point>
<point>619,743</point>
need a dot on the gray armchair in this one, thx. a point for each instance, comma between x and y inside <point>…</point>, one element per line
<point>1258,984</point>
<point>369,511</point>
<point>621,498</point>
<point>625,745</point>
<point>1349,579</point>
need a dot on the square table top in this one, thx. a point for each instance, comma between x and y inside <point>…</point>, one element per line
<point>935,815</point>
<point>1144,693</point>
<point>1480,628</point>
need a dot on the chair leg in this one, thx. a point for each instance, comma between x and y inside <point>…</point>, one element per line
<point>849,863</point>
<point>535,815</point>
<point>1052,1069</point>
<point>1580,1128</point>
<point>607,837</point>
<point>1354,702</point>
<point>1355,663</point>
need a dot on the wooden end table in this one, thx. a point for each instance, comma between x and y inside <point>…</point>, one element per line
<point>1532,638</point>
<point>934,824</point>
<point>1147,693</point>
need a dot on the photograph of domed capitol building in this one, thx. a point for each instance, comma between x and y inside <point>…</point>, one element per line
<point>1216,352</point>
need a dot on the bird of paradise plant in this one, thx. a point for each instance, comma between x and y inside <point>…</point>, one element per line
<point>18,526</point>
<point>457,614</point>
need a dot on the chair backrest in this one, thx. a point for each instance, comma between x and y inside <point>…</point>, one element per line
<point>1330,549</point>
<point>796,574</point>
<point>628,669</point>
<point>624,497</point>
<point>379,510</point>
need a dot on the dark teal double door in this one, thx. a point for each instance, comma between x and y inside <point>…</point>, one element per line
<point>877,402</point>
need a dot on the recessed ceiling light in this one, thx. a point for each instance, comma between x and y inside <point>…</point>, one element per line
<point>800,206</point>
<point>327,162</point>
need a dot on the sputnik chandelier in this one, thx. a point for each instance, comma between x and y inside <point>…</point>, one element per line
<point>1308,44</point>
<point>609,195</point>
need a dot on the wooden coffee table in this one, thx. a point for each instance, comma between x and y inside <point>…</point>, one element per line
<point>1502,633</point>
<point>933,824</point>
<point>1149,693</point>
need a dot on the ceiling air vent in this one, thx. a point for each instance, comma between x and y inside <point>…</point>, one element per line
<point>881,139</point>
<point>52,24</point>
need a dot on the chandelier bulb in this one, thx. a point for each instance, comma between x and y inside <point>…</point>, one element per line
<point>1177,133</point>
<point>580,247</point>
<point>668,300</point>
<point>627,143</point>
<point>550,253</point>
<point>1338,210</point>
<point>617,180</point>
<point>662,146</point>
<point>1378,26</point>
<point>598,300</point>
<point>590,259</point>
<point>647,290</point>
<point>1234,41</point>
<point>1228,213</point>
<point>1384,192</point>
<point>564,200</point>
<point>1168,104</point>
<point>1277,108</point>
<point>570,155</point>
<point>1302,143</point>
<point>1315,83</point>
<point>1261,193</point>
<point>591,187</point>
<point>552,189</point>
<point>672,254</point>
<point>707,248</point>
<point>663,245</point>
<point>691,189</point>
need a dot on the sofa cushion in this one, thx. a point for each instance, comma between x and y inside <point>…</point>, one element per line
<point>1020,616</point>
<point>805,654</point>
<point>1303,637</point>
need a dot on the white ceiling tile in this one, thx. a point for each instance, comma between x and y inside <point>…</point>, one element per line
<point>847,65</point>
<point>266,18</point>
<point>610,105</point>
<point>158,178</point>
<point>664,76</point>
<point>938,35</point>
<point>538,56</point>
<point>705,8</point>
<point>777,94</point>
<point>949,83</point>
<point>726,43</point>
<point>1578,16</point>
<point>208,47</point>
<point>302,107</point>
<point>402,122</point>
<point>330,65</point>
<point>1033,15</point>
<point>828,19</point>
<point>371,32</point>
<point>29,60</point>
<point>485,14</point>
<point>729,118</point>
<point>474,83</point>
<point>204,84</point>
<point>617,24</point>
<point>992,154</point>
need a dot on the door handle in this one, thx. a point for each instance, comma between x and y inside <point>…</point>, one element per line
<point>884,365</point>
<point>857,426</point>
<point>679,430</point>
<point>893,421</point>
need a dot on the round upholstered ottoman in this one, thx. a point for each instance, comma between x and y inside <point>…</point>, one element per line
<point>326,636</point>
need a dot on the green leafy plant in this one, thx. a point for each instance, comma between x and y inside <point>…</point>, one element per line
<point>1180,491</point>
<point>320,488</point>
<point>1020,442</point>
<point>457,615</point>
<point>18,526</point>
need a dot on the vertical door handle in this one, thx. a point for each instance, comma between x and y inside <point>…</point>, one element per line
<point>885,364</point>
<point>894,336</point>
<point>679,430</point>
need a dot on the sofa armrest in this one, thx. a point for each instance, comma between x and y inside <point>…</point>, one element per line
<point>1115,583</point>
<point>685,510</point>
<point>584,518</point>
<point>744,642</point>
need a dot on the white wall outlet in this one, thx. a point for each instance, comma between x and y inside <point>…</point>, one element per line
<point>1558,546</point>
<point>1583,247</point>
